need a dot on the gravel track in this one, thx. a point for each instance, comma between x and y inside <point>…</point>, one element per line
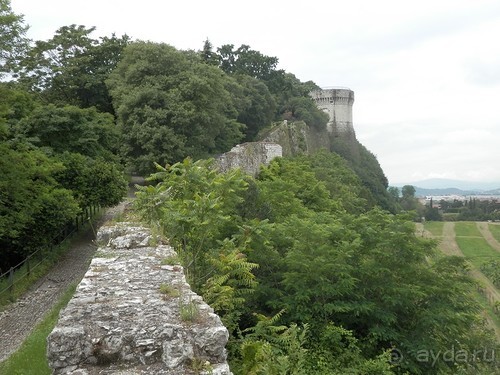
<point>18,319</point>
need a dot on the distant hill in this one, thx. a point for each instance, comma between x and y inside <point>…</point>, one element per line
<point>422,192</point>
<point>447,184</point>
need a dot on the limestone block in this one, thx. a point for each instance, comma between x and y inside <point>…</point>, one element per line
<point>67,347</point>
<point>211,342</point>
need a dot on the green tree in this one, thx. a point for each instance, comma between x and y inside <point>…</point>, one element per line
<point>408,200</point>
<point>92,181</point>
<point>13,40</point>
<point>408,192</point>
<point>208,55</point>
<point>246,61</point>
<point>393,192</point>
<point>72,129</point>
<point>256,106</point>
<point>192,204</point>
<point>33,206</point>
<point>290,95</point>
<point>15,105</point>
<point>362,283</point>
<point>304,109</point>
<point>72,66</point>
<point>368,169</point>
<point>491,269</point>
<point>171,105</point>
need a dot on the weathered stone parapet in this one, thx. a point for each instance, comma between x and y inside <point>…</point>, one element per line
<point>126,316</point>
<point>249,157</point>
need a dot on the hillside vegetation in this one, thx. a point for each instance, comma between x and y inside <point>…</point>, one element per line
<point>308,278</point>
<point>306,264</point>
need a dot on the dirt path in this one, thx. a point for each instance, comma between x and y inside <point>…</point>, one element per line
<point>449,246</point>
<point>485,231</point>
<point>19,319</point>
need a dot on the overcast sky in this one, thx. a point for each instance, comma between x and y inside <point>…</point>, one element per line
<point>426,74</point>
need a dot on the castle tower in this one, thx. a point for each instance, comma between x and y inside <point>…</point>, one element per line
<point>337,102</point>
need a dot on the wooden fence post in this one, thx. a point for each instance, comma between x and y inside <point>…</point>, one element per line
<point>11,282</point>
<point>28,268</point>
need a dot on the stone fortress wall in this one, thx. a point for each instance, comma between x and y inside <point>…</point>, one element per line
<point>337,102</point>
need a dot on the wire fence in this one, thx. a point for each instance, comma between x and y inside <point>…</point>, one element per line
<point>24,269</point>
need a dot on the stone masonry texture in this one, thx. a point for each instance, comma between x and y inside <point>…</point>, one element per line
<point>120,321</point>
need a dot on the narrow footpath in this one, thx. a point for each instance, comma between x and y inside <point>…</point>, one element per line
<point>22,316</point>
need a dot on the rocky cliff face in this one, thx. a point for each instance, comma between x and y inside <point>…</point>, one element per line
<point>134,313</point>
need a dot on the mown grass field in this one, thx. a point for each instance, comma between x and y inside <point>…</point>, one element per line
<point>476,250</point>
<point>467,229</point>
<point>435,227</point>
<point>495,231</point>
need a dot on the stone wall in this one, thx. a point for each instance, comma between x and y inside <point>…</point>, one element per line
<point>337,102</point>
<point>249,156</point>
<point>134,313</point>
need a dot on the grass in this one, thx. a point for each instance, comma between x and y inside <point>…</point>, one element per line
<point>495,231</point>
<point>467,229</point>
<point>189,312</point>
<point>171,260</point>
<point>477,250</point>
<point>31,358</point>
<point>435,227</point>
<point>169,291</point>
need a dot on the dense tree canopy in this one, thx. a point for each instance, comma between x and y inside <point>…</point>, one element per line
<point>56,161</point>
<point>33,206</point>
<point>170,106</point>
<point>347,283</point>
<point>72,129</point>
<point>290,95</point>
<point>254,103</point>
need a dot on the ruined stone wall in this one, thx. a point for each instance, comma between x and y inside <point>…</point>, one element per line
<point>249,156</point>
<point>129,315</point>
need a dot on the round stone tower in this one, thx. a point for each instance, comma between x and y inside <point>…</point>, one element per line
<point>337,102</point>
